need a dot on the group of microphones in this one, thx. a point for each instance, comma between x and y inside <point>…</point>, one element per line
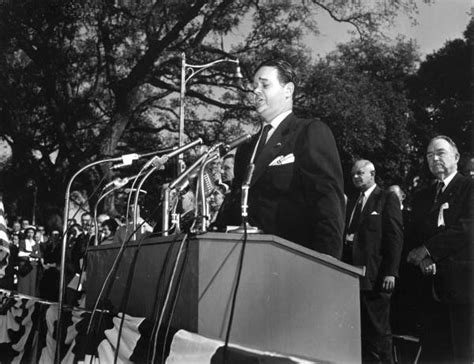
<point>158,161</point>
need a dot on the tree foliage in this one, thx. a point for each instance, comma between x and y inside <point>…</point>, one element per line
<point>441,95</point>
<point>84,80</point>
<point>359,90</point>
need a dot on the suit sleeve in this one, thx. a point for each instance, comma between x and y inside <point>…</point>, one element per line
<point>392,235</point>
<point>322,182</point>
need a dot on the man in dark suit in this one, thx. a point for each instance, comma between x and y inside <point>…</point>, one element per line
<point>374,239</point>
<point>442,225</point>
<point>296,191</point>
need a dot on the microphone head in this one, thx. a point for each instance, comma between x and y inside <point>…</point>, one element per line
<point>238,73</point>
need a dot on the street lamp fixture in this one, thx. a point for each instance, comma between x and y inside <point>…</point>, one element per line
<point>188,71</point>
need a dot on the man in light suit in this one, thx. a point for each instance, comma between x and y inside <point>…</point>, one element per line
<point>296,191</point>
<point>374,239</point>
<point>442,226</point>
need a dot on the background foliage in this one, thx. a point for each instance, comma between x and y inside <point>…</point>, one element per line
<point>83,81</point>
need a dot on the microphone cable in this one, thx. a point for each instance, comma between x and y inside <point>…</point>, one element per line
<point>155,334</point>
<point>234,293</point>
<point>175,300</point>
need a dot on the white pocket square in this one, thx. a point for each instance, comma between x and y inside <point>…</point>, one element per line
<point>283,159</point>
<point>374,213</point>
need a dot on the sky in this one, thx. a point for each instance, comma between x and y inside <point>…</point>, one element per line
<point>437,23</point>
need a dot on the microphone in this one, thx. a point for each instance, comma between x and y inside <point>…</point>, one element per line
<point>159,162</point>
<point>129,190</point>
<point>156,162</point>
<point>245,189</point>
<point>117,183</point>
<point>226,148</point>
<point>238,73</point>
<point>127,160</point>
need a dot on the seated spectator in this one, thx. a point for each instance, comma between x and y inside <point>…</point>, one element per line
<point>126,232</point>
<point>109,227</point>
<point>215,200</point>
<point>16,228</point>
<point>227,169</point>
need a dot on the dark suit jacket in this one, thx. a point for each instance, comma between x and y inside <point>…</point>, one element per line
<point>301,201</point>
<point>451,246</point>
<point>378,240</point>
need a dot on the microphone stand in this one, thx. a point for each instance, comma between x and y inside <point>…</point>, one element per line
<point>245,227</point>
<point>57,357</point>
<point>202,226</point>
<point>170,187</point>
<point>104,195</point>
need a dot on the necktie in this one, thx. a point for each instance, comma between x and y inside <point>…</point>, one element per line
<point>263,139</point>
<point>356,216</point>
<point>439,191</point>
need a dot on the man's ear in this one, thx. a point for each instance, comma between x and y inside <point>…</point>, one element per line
<point>289,89</point>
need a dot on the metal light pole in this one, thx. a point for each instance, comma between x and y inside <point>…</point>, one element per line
<point>188,71</point>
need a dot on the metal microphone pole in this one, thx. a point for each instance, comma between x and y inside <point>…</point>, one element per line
<point>63,253</point>
<point>245,227</point>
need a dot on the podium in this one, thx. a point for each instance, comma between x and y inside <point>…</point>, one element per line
<point>290,299</point>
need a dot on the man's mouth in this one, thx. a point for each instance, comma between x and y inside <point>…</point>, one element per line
<point>259,101</point>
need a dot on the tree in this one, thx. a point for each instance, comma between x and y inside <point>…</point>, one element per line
<point>441,97</point>
<point>85,80</point>
<point>359,91</point>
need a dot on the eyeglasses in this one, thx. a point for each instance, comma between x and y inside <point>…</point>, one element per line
<point>440,154</point>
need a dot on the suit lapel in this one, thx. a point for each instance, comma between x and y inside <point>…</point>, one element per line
<point>447,193</point>
<point>273,146</point>
<point>450,189</point>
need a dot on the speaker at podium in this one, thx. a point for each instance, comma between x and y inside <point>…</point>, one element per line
<point>290,299</point>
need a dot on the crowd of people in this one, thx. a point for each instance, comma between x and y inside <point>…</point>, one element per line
<point>419,263</point>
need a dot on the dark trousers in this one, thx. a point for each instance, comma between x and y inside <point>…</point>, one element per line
<point>447,333</point>
<point>375,327</point>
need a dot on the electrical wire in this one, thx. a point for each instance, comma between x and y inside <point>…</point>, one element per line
<point>175,300</point>
<point>168,293</point>
<point>234,295</point>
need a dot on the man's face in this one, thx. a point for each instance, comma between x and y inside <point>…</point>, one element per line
<point>215,200</point>
<point>25,223</point>
<point>227,171</point>
<point>442,158</point>
<point>187,201</point>
<point>86,221</point>
<point>362,176</point>
<point>271,97</point>
<point>30,234</point>
<point>16,226</point>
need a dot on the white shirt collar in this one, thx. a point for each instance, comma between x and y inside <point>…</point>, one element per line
<point>448,179</point>
<point>276,122</point>
<point>367,193</point>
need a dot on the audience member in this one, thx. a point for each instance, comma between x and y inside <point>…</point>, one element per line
<point>215,201</point>
<point>30,254</point>
<point>442,225</point>
<point>374,239</point>
<point>109,227</point>
<point>227,169</point>
<point>51,261</point>
<point>127,232</point>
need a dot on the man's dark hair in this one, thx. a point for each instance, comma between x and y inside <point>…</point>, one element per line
<point>285,70</point>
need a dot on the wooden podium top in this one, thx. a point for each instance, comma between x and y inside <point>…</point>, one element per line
<point>220,237</point>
